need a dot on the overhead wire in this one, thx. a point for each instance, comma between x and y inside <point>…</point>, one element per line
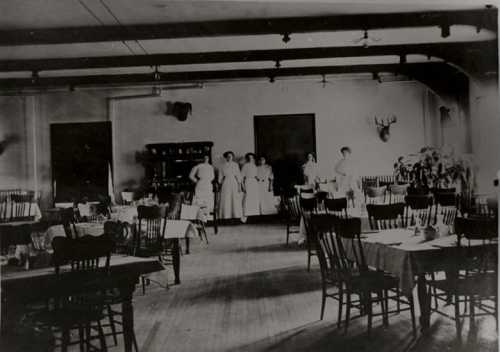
<point>105,5</point>
<point>93,14</point>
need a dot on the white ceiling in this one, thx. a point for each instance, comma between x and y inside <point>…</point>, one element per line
<point>15,14</point>
<point>57,13</point>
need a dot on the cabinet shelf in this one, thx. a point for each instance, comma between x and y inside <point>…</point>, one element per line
<point>170,163</point>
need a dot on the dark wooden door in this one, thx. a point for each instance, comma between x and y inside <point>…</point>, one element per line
<point>285,140</point>
<point>81,158</point>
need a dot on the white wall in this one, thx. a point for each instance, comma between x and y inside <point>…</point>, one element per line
<point>224,114</point>
<point>485,132</point>
<point>14,161</point>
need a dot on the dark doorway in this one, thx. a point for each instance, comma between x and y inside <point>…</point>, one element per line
<point>81,158</point>
<point>285,140</point>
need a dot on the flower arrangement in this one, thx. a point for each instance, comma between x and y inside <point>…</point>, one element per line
<point>435,168</point>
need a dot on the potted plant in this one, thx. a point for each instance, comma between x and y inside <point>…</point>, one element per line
<point>433,168</point>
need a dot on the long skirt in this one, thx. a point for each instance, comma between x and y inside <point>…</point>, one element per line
<point>203,195</point>
<point>251,197</point>
<point>230,200</point>
<point>267,200</point>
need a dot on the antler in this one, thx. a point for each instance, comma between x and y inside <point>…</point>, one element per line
<point>387,122</point>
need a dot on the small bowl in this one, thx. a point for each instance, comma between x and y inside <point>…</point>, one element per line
<point>430,233</point>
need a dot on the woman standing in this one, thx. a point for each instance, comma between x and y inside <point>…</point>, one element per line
<point>250,187</point>
<point>266,196</point>
<point>311,171</point>
<point>230,180</point>
<point>203,175</point>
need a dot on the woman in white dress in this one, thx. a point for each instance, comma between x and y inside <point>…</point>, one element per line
<point>203,175</point>
<point>230,197</point>
<point>250,187</point>
<point>311,171</point>
<point>267,204</point>
<point>348,181</point>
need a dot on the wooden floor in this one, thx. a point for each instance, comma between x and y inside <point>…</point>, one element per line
<point>247,291</point>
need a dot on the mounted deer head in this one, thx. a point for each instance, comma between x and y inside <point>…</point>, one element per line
<point>384,126</point>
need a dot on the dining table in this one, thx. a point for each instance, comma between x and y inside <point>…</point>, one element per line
<point>128,215</point>
<point>23,287</point>
<point>410,258</point>
<point>174,231</point>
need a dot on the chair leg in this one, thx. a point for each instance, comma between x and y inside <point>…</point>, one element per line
<point>384,302</point>
<point>87,336</point>
<point>341,303</point>
<point>369,309</point>
<point>308,260</point>
<point>112,324</point>
<point>65,339</point>
<point>472,312</point>
<point>458,323</point>
<point>143,281</point>
<point>323,302</point>
<point>347,311</point>
<point>412,312</point>
<point>81,338</point>
<point>102,339</point>
<point>287,232</point>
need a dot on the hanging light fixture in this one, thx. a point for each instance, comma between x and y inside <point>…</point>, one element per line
<point>366,40</point>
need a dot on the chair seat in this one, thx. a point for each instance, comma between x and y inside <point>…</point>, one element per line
<point>70,315</point>
<point>147,252</point>
<point>484,285</point>
<point>373,281</point>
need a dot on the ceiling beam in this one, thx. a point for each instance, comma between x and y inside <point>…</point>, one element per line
<point>446,51</point>
<point>202,76</point>
<point>481,19</point>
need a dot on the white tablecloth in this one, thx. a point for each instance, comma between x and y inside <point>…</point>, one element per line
<point>82,229</point>
<point>401,253</point>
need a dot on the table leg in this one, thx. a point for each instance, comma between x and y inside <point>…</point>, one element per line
<point>424,302</point>
<point>187,245</point>
<point>126,292</point>
<point>176,259</point>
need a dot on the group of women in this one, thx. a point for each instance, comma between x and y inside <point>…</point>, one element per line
<point>243,193</point>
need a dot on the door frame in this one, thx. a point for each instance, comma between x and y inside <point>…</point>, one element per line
<point>67,122</point>
<point>313,115</point>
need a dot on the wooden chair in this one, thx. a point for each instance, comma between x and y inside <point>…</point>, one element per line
<point>418,210</point>
<point>68,220</point>
<point>366,281</point>
<point>386,216</point>
<point>291,207</point>
<point>446,204</point>
<point>308,204</point>
<point>88,258</point>
<point>330,278</point>
<point>337,207</point>
<point>22,206</point>
<point>370,287</point>
<point>397,193</point>
<point>472,279</point>
<point>417,191</point>
<point>148,241</point>
<point>375,195</point>
<point>307,209</point>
